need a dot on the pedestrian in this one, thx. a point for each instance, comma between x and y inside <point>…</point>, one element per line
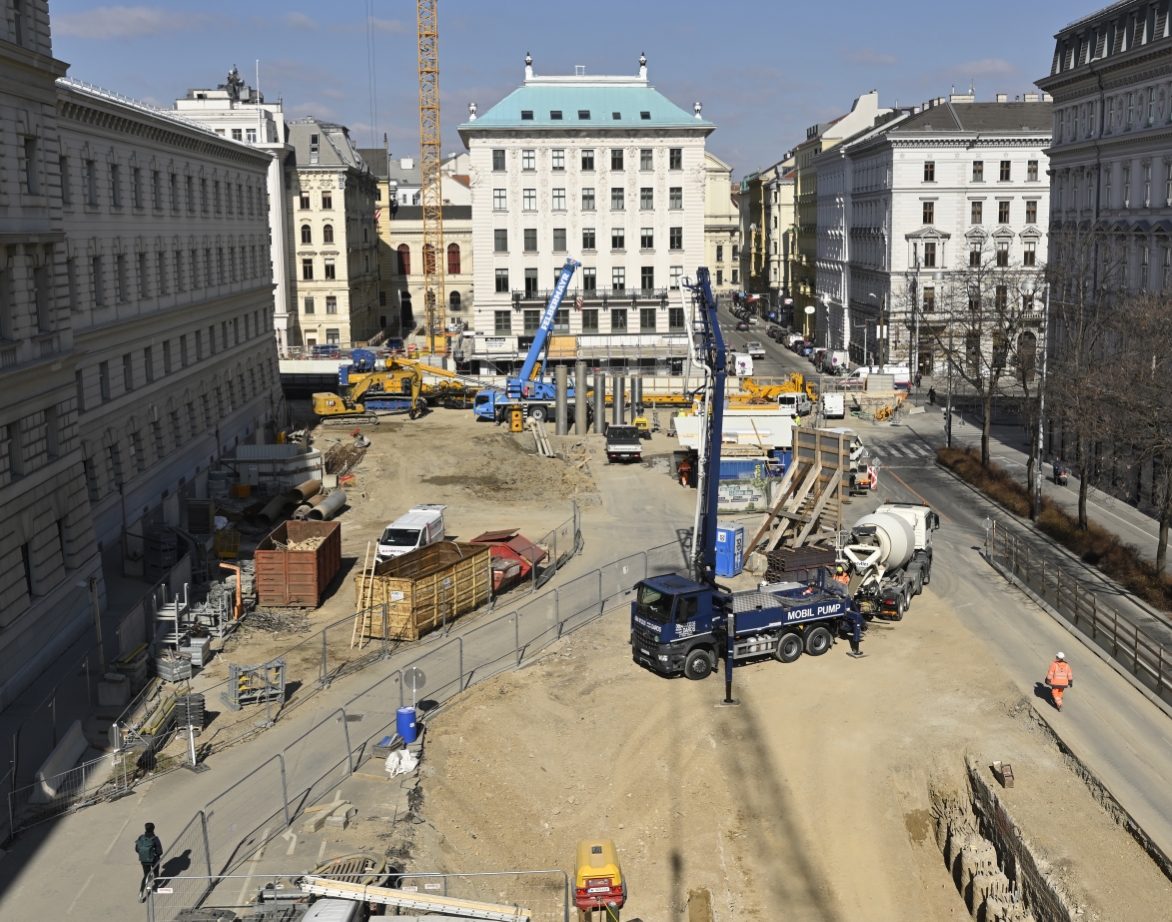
<point>797,420</point>
<point>856,638</point>
<point>685,472</point>
<point>931,395</point>
<point>149,850</point>
<point>1059,678</point>
<point>918,379</point>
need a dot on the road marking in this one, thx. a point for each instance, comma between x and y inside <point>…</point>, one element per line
<point>69,911</point>
<point>292,837</point>
<point>118,835</point>
<point>254,861</point>
<point>321,852</point>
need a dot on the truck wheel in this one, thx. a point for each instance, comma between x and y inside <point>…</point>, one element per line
<point>928,573</point>
<point>818,641</point>
<point>900,606</point>
<point>698,666</point>
<point>919,582</point>
<point>789,648</point>
<point>537,413</point>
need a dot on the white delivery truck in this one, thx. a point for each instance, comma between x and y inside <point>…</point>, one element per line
<point>742,364</point>
<point>418,527</point>
<point>833,406</point>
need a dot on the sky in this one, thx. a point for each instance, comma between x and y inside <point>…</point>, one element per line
<point>764,71</point>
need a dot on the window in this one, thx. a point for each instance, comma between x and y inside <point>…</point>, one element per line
<point>453,259</point>
<point>502,281</point>
<point>1003,212</point>
<point>618,278</point>
<point>530,236</point>
<point>555,115</point>
<point>559,239</point>
<point>929,209</point>
<point>647,278</point>
<point>71,283</point>
<point>18,36</point>
<point>327,200</point>
<point>590,320</point>
<point>327,234</point>
<point>675,197</point>
<point>404,254</point>
<point>304,201</point>
<point>203,195</point>
<point>1032,171</point>
<point>502,323</point>
<point>120,277</point>
<point>557,159</point>
<point>616,158</point>
<point>1108,201</point>
<point>587,199</point>
<point>498,160</point>
<point>1151,105</point>
<point>1031,215</point>
<point>929,254</point>
<point>675,320</point>
<point>976,212</point>
<point>646,198</point>
<point>1147,185</point>
<point>559,199</point>
<point>590,279</point>
<point>331,271</point>
<point>646,238</point>
<point>1165,281</point>
<point>647,320</point>
<point>617,200</point>
<point>530,321</point>
<point>1030,254</point>
<point>1130,109</point>
<point>306,234</point>
<point>528,160</point>
<point>128,372</point>
<point>617,116</point>
<point>98,282</point>
<point>66,192</point>
<point>561,320</point>
<point>588,238</point>
<point>500,240</point>
<point>719,276</point>
<point>929,171</point>
<point>331,304</point>
<point>115,185</point>
<point>250,135</point>
<point>645,115</point>
<point>526,115</point>
<point>499,200</point>
<point>91,183</point>
<point>307,305</point>
<point>587,161</point>
<point>929,298</point>
<point>675,158</point>
<point>975,256</point>
<point>618,239</point>
<point>307,270</point>
<point>646,159</point>
<point>618,320</point>
<point>676,273</point>
<point>1127,186</point>
<point>1002,253</point>
<point>529,199</point>
<point>583,115</point>
<point>978,171</point>
<point>1004,175</point>
<point>144,288</point>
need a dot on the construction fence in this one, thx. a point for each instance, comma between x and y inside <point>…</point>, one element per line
<point>266,802</point>
<point>1149,660</point>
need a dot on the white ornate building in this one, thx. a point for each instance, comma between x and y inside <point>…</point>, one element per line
<point>602,169</point>
<point>903,204</point>
<point>136,338</point>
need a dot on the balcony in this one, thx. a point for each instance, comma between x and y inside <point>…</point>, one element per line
<point>600,296</point>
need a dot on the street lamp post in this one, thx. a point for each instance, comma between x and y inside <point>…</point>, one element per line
<point>1041,406</point>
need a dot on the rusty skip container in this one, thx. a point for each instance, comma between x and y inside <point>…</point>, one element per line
<point>426,588</point>
<point>297,578</point>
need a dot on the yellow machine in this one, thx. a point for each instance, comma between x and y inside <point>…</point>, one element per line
<point>598,880</point>
<point>753,392</point>
<point>386,390</point>
<point>644,427</point>
<point>456,392</point>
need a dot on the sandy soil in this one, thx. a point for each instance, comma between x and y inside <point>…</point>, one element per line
<point>813,795</point>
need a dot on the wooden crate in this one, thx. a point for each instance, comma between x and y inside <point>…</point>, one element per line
<point>297,579</point>
<point>426,587</point>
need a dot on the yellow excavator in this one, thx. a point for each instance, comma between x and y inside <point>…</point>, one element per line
<point>752,392</point>
<point>395,389</point>
<point>455,391</point>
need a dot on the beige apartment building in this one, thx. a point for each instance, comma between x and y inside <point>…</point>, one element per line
<point>331,206</point>
<point>722,224</point>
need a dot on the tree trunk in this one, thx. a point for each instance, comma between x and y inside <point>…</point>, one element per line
<point>986,426</point>
<point>1035,501</point>
<point>1165,518</point>
<point>1084,479</point>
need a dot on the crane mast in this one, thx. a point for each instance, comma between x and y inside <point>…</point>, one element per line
<point>430,163</point>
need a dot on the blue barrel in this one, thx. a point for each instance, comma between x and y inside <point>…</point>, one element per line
<point>405,724</point>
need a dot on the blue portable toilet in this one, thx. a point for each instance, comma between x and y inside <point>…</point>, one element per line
<point>730,546</point>
<point>405,724</point>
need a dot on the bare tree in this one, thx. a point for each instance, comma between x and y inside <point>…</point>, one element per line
<point>991,309</point>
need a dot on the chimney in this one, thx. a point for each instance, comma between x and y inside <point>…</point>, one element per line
<point>1031,97</point>
<point>1046,97</point>
<point>1003,97</point>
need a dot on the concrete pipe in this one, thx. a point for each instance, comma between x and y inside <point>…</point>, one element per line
<point>301,513</point>
<point>273,511</point>
<point>329,507</point>
<point>305,490</point>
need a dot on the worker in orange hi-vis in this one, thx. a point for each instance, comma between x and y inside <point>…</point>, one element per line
<point>1059,678</point>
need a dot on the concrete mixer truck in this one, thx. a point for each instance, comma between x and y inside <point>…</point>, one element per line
<point>889,555</point>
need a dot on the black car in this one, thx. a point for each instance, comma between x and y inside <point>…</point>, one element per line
<point>743,326</point>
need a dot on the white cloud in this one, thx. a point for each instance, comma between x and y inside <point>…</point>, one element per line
<point>866,57</point>
<point>300,21</point>
<point>122,22</point>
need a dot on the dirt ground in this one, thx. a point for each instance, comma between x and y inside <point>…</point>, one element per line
<point>813,795</point>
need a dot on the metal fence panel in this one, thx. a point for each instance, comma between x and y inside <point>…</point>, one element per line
<point>668,558</point>
<point>49,797</point>
<point>619,577</point>
<point>317,761</point>
<point>241,819</point>
<point>580,595</point>
<point>184,870</point>
<point>490,647</point>
<point>537,617</point>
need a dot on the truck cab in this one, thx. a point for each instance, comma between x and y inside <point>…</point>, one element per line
<point>671,617</point>
<point>623,443</point>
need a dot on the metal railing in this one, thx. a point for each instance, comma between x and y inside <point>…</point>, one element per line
<point>264,804</point>
<point>1147,658</point>
<point>98,779</point>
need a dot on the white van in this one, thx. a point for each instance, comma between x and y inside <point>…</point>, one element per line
<point>833,406</point>
<point>795,404</point>
<point>836,362</point>
<point>742,364</point>
<point>418,527</point>
<point>901,373</point>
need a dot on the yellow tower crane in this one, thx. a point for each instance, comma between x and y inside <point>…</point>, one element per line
<point>430,163</point>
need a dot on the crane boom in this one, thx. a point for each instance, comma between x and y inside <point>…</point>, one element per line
<point>431,175</point>
<point>537,350</point>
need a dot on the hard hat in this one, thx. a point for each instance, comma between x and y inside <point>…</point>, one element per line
<point>838,569</point>
<point>1061,656</point>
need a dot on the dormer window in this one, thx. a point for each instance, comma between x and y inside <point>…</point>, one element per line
<point>555,115</point>
<point>646,116</point>
<point>526,115</point>
<point>616,115</point>
<point>583,115</point>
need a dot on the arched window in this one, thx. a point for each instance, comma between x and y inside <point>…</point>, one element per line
<point>306,234</point>
<point>453,259</point>
<point>429,259</point>
<point>404,259</point>
<point>454,299</point>
<point>327,233</point>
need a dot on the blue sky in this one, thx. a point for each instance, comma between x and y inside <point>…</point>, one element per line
<point>763,70</point>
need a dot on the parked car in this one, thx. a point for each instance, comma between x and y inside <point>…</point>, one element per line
<point>816,357</point>
<point>791,339</point>
<point>806,349</point>
<point>835,362</point>
<point>755,349</point>
<point>773,332</point>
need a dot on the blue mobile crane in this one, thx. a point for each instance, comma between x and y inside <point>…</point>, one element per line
<point>529,390</point>
<point>683,625</point>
